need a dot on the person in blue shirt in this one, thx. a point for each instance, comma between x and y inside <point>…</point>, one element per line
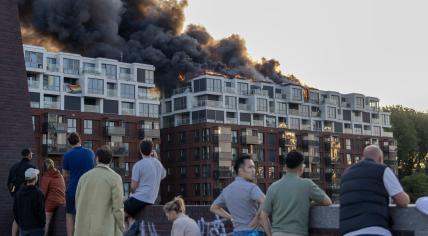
<point>77,162</point>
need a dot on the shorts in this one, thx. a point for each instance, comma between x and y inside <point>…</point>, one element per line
<point>51,207</point>
<point>134,206</point>
<point>70,204</point>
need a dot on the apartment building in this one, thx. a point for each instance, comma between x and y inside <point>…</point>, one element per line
<point>106,101</point>
<point>214,119</point>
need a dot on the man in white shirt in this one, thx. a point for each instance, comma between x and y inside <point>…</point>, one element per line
<point>365,192</point>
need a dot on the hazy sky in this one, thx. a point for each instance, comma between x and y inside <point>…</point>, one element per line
<point>377,48</point>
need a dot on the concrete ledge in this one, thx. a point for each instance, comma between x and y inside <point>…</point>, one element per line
<point>324,221</point>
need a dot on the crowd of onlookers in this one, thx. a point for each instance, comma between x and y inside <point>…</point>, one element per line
<point>94,202</point>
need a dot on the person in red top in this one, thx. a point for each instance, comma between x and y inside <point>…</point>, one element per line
<point>53,187</point>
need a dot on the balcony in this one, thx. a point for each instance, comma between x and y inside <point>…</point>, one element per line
<point>347,130</point>
<point>358,119</point>
<point>231,120</point>
<point>184,121</point>
<point>52,127</point>
<point>259,92</point>
<point>222,174</point>
<point>315,114</point>
<point>358,131</point>
<point>114,131</point>
<point>258,122</point>
<point>128,111</point>
<point>33,84</point>
<point>250,139</point>
<point>244,107</point>
<point>182,90</point>
<point>125,76</point>
<point>91,71</point>
<point>305,127</point>
<point>92,108</point>
<point>375,121</point>
<point>149,133</point>
<point>329,101</point>
<point>36,65</point>
<point>71,71</point>
<point>51,105</point>
<point>52,68</point>
<point>387,134</point>
<point>111,93</point>
<point>209,103</point>
<point>229,90</point>
<point>55,149</point>
<point>293,112</point>
<point>281,96</point>
<point>367,132</point>
<point>119,149</point>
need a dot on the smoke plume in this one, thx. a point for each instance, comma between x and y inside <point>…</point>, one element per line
<point>145,31</point>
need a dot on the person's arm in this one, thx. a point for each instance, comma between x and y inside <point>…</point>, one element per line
<point>44,185</point>
<point>257,195</point>
<point>218,210</point>
<point>265,223</point>
<point>318,195</point>
<point>135,178</point>
<point>117,204</point>
<point>394,188</point>
<point>401,199</point>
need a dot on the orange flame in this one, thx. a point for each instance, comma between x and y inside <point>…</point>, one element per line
<point>154,93</point>
<point>30,36</point>
<point>181,77</point>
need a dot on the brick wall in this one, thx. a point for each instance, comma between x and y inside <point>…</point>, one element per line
<point>15,115</point>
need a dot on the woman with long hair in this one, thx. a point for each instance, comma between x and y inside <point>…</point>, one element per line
<point>182,224</point>
<point>53,187</point>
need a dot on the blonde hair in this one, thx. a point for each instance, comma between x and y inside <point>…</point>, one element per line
<point>176,205</point>
<point>48,164</point>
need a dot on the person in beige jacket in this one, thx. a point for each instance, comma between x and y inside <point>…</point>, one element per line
<point>99,200</point>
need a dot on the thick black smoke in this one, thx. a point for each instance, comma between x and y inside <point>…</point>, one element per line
<point>146,31</point>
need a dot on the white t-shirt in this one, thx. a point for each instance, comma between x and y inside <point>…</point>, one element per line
<point>393,187</point>
<point>148,172</point>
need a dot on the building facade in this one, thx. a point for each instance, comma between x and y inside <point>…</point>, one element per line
<point>214,119</point>
<point>106,101</point>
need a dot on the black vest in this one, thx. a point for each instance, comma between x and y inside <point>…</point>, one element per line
<point>363,197</point>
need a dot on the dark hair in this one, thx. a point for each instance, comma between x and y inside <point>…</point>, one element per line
<point>176,205</point>
<point>25,152</point>
<point>73,138</point>
<point>240,162</point>
<point>146,147</point>
<point>104,154</point>
<point>293,159</point>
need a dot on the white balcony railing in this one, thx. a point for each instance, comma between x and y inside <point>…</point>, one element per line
<point>387,134</point>
<point>111,92</point>
<point>347,131</point>
<point>51,105</point>
<point>92,108</point>
<point>229,90</point>
<point>33,84</point>
<point>209,103</point>
<point>71,71</point>
<point>358,119</point>
<point>259,92</point>
<point>183,121</point>
<point>244,107</point>
<point>294,112</point>
<point>182,90</point>
<point>258,122</point>
<point>125,76</point>
<point>52,68</point>
<point>128,111</point>
<point>231,120</point>
<point>91,71</point>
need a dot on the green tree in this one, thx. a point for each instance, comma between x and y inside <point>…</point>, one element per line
<point>416,185</point>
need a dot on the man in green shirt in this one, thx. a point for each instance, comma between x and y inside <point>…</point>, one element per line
<point>288,200</point>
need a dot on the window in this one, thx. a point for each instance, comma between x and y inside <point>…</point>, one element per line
<point>183,172</point>
<point>331,112</point>
<point>33,59</point>
<point>230,102</point>
<point>348,159</point>
<point>96,86</point>
<point>214,85</point>
<point>294,123</point>
<point>348,144</point>
<point>206,169</point>
<point>180,103</point>
<point>182,155</point>
<point>109,71</point>
<point>149,110</point>
<point>71,66</point>
<point>304,110</point>
<point>261,104</point>
<point>271,172</point>
<point>182,137</point>
<point>142,92</point>
<point>206,189</point>
<point>87,144</point>
<point>71,125</point>
<point>51,64</point>
<point>272,155</point>
<point>297,94</point>
<point>234,154</point>
<point>51,82</point>
<point>33,119</point>
<point>282,108</point>
<point>197,171</point>
<point>149,75</point>
<point>314,97</point>
<point>335,99</point>
<point>243,88</point>
<point>127,91</point>
<point>359,102</point>
<point>196,190</point>
<point>168,106</point>
<point>128,108</point>
<point>125,73</point>
<point>87,126</point>
<point>234,136</point>
<point>260,172</point>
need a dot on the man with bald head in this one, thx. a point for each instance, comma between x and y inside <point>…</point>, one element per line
<point>365,192</point>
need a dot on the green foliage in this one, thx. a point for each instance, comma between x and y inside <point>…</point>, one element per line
<point>411,132</point>
<point>416,185</point>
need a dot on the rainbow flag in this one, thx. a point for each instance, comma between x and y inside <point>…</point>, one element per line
<point>75,89</point>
